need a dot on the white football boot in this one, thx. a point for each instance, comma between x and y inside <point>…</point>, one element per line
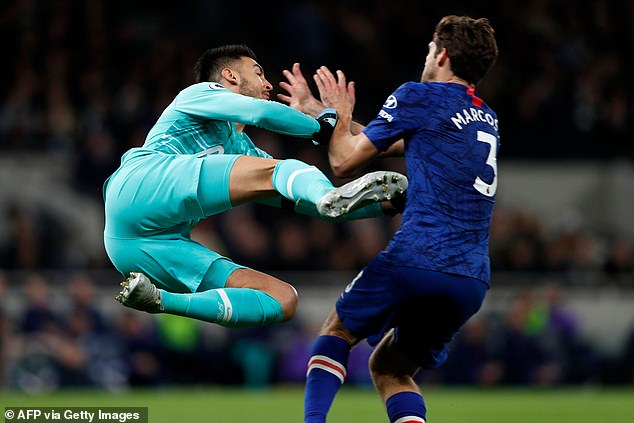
<point>370,188</point>
<point>139,293</point>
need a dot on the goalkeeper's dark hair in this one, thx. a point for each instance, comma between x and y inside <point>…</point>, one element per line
<point>209,66</point>
<point>470,45</point>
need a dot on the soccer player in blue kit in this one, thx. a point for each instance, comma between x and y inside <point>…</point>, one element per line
<point>197,162</point>
<point>415,295</point>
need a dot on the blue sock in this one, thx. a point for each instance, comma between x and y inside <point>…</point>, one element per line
<point>326,373</point>
<point>231,307</point>
<point>406,407</point>
<point>296,180</point>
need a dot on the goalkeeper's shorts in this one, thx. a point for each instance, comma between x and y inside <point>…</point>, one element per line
<point>152,202</point>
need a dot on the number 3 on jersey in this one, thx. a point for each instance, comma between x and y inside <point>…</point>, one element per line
<point>479,184</point>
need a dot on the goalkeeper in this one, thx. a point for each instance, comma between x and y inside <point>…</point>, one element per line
<point>197,162</point>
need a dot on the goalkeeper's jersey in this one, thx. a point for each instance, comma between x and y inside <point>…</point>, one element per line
<point>200,121</point>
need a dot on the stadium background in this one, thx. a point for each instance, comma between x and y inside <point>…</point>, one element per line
<point>84,81</point>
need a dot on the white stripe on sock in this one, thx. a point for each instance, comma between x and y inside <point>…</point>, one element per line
<point>410,419</point>
<point>226,317</point>
<point>289,183</point>
<point>328,360</point>
<point>326,368</point>
<point>328,364</point>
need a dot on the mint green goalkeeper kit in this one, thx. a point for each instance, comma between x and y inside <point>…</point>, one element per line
<point>149,216</point>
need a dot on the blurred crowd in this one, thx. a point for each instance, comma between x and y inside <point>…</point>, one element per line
<point>47,344</point>
<point>88,79</point>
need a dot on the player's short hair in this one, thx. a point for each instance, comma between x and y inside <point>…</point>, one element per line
<point>470,45</point>
<point>209,66</point>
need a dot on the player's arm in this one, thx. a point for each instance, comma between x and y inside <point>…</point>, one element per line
<point>348,152</point>
<point>383,137</point>
<point>395,150</point>
<point>213,101</point>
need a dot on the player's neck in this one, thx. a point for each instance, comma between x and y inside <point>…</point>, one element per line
<point>444,74</point>
<point>239,126</point>
<point>456,80</point>
<point>453,80</point>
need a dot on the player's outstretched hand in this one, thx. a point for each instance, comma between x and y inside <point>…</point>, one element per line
<point>327,120</point>
<point>299,95</point>
<point>335,92</point>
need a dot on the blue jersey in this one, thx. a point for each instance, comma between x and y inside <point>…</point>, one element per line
<point>451,143</point>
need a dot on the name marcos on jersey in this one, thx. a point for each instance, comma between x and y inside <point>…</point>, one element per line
<point>472,115</point>
<point>460,119</point>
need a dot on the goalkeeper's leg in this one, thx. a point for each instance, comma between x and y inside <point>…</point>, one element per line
<point>249,298</point>
<point>254,178</point>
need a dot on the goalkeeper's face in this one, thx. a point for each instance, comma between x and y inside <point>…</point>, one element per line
<point>252,80</point>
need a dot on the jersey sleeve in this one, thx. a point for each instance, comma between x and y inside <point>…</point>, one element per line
<point>211,100</point>
<point>400,115</point>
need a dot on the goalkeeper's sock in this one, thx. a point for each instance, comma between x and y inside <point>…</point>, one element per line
<point>406,407</point>
<point>230,307</point>
<point>326,373</point>
<point>296,180</point>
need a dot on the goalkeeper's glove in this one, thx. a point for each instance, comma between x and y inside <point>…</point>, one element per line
<point>327,120</point>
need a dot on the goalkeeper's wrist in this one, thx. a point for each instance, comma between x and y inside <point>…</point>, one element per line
<point>327,120</point>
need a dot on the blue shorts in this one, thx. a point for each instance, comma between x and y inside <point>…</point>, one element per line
<point>425,308</point>
<point>152,202</point>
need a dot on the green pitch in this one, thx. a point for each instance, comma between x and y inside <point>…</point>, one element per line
<point>284,405</point>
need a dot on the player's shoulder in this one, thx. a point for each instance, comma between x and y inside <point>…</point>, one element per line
<point>486,108</point>
<point>420,94</point>
<point>202,88</point>
<point>489,110</point>
<point>421,89</point>
<point>408,93</point>
<point>409,88</point>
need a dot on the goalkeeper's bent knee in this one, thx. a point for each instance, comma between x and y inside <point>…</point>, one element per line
<point>251,308</point>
